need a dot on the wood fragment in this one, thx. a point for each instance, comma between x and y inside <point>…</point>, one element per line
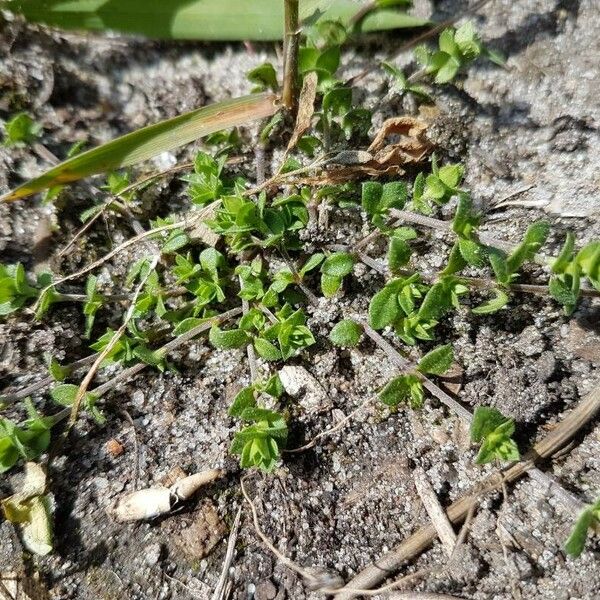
<point>435,511</point>
<point>390,562</point>
<point>422,596</point>
<point>220,588</point>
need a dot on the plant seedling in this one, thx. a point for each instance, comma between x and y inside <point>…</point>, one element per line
<point>258,444</point>
<point>408,388</point>
<point>438,187</point>
<point>568,270</point>
<point>590,516</point>
<point>493,431</point>
<point>24,442</point>
<point>21,130</point>
<point>377,199</point>
<point>457,48</point>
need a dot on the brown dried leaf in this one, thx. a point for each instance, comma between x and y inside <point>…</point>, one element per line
<point>381,159</point>
<point>404,126</point>
<point>306,108</point>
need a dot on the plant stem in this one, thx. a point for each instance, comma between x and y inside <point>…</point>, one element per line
<point>289,96</point>
<point>419,541</point>
<point>364,10</point>
<point>166,349</point>
<point>249,347</point>
<point>477,282</point>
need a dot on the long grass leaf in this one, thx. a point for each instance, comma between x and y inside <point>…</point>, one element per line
<point>149,141</point>
<point>199,19</point>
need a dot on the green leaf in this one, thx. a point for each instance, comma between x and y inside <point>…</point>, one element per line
<point>438,361</point>
<point>244,399</point>
<point>566,255</point>
<point>20,130</point>
<point>330,284</point>
<point>384,308</point>
<point>494,430</point>
<point>371,197</point>
<point>473,252</point>
<point>447,69</point>
<point>64,394</point>
<point>500,300</point>
<point>456,262</point>
<point>312,263</point>
<point>535,236</point>
<point>405,389</point>
<point>264,77</point>
<point>234,20</point>
<point>266,349</point>
<point>398,254</point>
<point>57,371</point>
<point>346,333</point>
<point>434,187</point>
<point>154,358</point>
<point>446,42</point>
<point>436,302</point>
<point>485,420</point>
<point>227,339</point>
<point>175,241</point>
<point>588,259</point>
<point>187,324</point>
<point>499,265</point>
<point>149,141</point>
<point>565,290</point>
<point>575,543</point>
<point>451,175</point>
<point>466,220</point>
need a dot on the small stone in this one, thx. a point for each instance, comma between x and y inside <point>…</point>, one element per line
<point>299,383</point>
<point>199,533</point>
<point>114,448</point>
<point>530,342</point>
<point>439,436</point>
<point>174,475</point>
<point>138,398</point>
<point>265,590</point>
<point>152,554</point>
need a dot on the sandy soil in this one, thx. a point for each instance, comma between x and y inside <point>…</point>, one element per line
<point>528,131</point>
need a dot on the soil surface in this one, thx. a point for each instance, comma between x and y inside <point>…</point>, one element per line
<point>528,136</point>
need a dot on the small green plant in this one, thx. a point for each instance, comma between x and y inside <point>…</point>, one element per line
<point>457,48</point>
<point>258,444</point>
<point>438,187</point>
<point>493,431</point>
<point>403,83</point>
<point>205,184</point>
<point>589,517</point>
<point>377,199</point>
<point>569,269</point>
<point>21,130</point>
<point>15,290</point>
<point>264,77</point>
<point>413,308</point>
<point>25,442</point>
<point>408,388</point>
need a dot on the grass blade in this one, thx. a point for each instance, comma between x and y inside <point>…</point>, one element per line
<point>149,141</point>
<point>199,19</point>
